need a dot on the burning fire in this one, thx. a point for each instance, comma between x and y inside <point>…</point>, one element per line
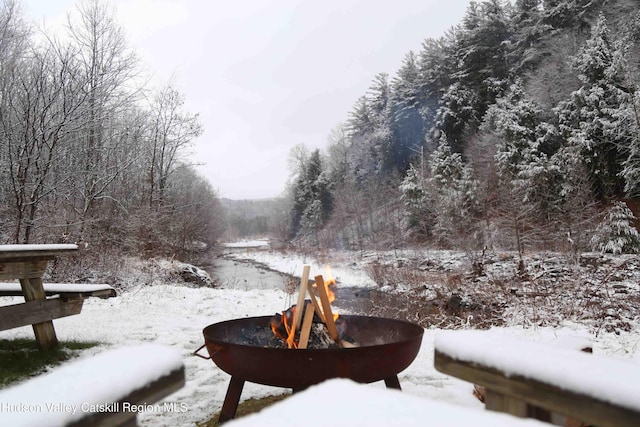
<point>286,329</point>
<point>329,281</point>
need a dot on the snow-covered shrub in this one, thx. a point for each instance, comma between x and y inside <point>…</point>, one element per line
<point>616,233</point>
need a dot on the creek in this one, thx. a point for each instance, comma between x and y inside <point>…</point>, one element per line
<point>234,274</point>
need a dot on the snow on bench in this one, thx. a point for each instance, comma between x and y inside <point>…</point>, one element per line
<point>65,290</point>
<point>105,390</point>
<point>594,389</point>
<point>69,301</point>
<point>343,402</point>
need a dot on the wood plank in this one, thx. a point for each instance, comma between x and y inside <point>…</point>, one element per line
<point>297,315</point>
<point>307,323</point>
<point>151,393</point>
<point>314,301</point>
<point>566,402</point>
<point>326,308</point>
<point>45,333</point>
<point>498,402</point>
<point>37,312</point>
<point>22,269</point>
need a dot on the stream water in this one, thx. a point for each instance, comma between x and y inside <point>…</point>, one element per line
<point>234,274</point>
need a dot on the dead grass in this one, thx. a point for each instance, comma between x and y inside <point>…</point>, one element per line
<point>548,291</point>
<point>247,407</point>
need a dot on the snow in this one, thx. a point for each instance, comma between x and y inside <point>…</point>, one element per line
<point>59,287</point>
<point>62,396</point>
<point>346,403</point>
<point>248,244</point>
<point>345,270</point>
<point>582,373</point>
<point>174,316</point>
<point>38,247</point>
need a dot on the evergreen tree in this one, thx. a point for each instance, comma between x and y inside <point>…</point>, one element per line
<point>523,150</point>
<point>482,52</point>
<point>418,219</point>
<point>482,70</point>
<point>370,132</point>
<point>593,118</point>
<point>616,233</point>
<point>436,64</point>
<point>564,14</point>
<point>631,165</point>
<point>312,199</point>
<point>455,114</point>
<point>407,126</point>
<point>527,33</point>
<point>454,193</point>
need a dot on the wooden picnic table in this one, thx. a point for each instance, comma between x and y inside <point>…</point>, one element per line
<point>27,263</point>
<point>539,381</point>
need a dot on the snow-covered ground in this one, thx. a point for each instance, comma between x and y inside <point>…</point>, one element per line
<point>175,315</point>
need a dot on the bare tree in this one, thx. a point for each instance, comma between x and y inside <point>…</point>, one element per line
<point>107,69</point>
<point>36,119</point>
<point>14,41</point>
<point>171,132</point>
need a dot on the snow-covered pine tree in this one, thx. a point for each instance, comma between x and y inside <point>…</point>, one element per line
<point>525,51</point>
<point>523,149</point>
<point>455,113</point>
<point>418,218</point>
<point>454,192</point>
<point>406,123</point>
<point>312,198</point>
<point>631,166</point>
<point>369,131</point>
<point>593,118</point>
<point>616,233</point>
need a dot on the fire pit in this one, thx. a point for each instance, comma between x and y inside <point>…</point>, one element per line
<point>385,348</point>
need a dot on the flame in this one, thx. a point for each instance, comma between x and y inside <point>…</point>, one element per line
<point>329,280</point>
<point>286,320</point>
<point>285,330</point>
<point>291,332</point>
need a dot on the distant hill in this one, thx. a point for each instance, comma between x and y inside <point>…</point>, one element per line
<point>254,218</point>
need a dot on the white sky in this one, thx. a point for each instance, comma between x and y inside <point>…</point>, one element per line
<point>265,75</point>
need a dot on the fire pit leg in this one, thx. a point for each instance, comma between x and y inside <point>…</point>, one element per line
<point>393,382</point>
<point>231,400</point>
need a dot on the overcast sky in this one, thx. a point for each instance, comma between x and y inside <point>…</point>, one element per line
<point>266,75</point>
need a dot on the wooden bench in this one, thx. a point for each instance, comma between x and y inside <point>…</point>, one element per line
<point>28,263</point>
<point>109,389</point>
<point>62,299</point>
<point>342,402</point>
<point>520,375</point>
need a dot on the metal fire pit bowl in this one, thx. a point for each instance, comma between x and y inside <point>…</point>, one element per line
<point>386,347</point>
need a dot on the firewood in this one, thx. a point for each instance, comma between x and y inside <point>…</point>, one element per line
<point>314,301</point>
<point>305,331</point>
<point>297,316</point>
<point>326,309</point>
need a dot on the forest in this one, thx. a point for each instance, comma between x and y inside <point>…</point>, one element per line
<point>89,152</point>
<point>518,129</point>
